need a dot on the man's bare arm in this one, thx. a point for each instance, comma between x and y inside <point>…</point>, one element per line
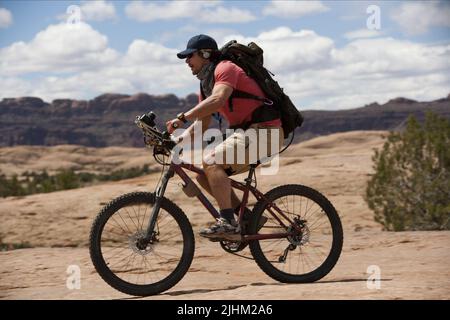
<point>190,130</point>
<point>220,95</point>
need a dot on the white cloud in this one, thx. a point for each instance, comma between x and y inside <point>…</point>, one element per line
<point>290,50</point>
<point>141,51</point>
<point>293,9</point>
<point>202,11</point>
<point>220,35</point>
<point>362,33</point>
<point>225,15</point>
<point>58,48</point>
<point>98,10</point>
<point>150,11</point>
<point>417,18</point>
<point>78,64</point>
<point>6,18</point>
<point>369,70</point>
<point>317,74</point>
<point>389,57</point>
<point>313,71</point>
<point>14,87</point>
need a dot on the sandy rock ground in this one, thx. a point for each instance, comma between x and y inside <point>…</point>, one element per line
<point>55,227</point>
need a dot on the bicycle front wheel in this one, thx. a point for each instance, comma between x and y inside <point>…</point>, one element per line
<point>304,256</point>
<point>131,265</point>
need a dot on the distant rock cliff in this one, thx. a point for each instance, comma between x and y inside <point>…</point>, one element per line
<point>104,121</point>
<point>389,116</point>
<point>108,119</point>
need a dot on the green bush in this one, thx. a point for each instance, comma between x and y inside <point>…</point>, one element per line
<point>13,246</point>
<point>10,186</point>
<point>32,182</point>
<point>410,189</point>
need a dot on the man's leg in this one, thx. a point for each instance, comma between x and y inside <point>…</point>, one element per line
<point>203,181</point>
<point>220,185</point>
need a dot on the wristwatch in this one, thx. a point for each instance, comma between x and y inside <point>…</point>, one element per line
<point>181,117</point>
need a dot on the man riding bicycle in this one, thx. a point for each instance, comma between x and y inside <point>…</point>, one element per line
<point>219,83</point>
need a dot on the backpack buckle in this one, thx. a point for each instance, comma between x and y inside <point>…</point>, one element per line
<point>268,102</point>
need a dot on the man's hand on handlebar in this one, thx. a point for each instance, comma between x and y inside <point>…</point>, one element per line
<point>173,124</point>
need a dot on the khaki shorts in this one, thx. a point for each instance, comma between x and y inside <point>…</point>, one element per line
<point>241,149</point>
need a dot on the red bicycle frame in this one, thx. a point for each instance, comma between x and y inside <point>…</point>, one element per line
<point>246,188</point>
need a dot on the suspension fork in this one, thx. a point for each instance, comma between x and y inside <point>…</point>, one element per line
<point>159,194</point>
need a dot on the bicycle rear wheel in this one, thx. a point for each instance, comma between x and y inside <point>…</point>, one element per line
<point>131,266</point>
<point>306,256</point>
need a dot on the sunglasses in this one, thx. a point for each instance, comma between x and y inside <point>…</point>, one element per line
<point>190,55</point>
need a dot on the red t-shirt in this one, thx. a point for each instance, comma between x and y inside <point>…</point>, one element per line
<point>231,75</point>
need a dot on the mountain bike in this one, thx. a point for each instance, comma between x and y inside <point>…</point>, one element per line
<point>142,243</point>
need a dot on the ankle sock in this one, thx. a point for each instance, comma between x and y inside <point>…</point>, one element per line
<point>227,214</point>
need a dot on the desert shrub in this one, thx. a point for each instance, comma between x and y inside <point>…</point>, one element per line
<point>12,246</point>
<point>410,189</point>
<point>10,186</point>
<point>42,182</point>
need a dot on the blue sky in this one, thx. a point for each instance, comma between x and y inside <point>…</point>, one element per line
<point>322,52</point>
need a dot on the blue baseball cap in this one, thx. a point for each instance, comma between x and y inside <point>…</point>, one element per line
<point>196,43</point>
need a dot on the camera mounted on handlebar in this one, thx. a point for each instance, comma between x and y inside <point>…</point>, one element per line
<point>161,142</point>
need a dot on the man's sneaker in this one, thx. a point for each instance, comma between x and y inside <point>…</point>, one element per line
<point>220,229</point>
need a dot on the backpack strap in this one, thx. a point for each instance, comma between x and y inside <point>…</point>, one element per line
<point>245,95</point>
<point>263,113</point>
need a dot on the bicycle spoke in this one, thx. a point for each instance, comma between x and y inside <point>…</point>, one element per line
<point>149,269</point>
<point>153,269</point>
<point>113,232</point>
<point>143,219</point>
<point>277,241</point>
<point>132,260</point>
<point>111,249</point>
<point>320,253</point>
<point>126,225</point>
<point>311,224</point>
<point>122,261</point>
<point>145,265</point>
<point>137,217</point>
<point>311,248</point>
<point>132,220</point>
<point>119,225</point>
